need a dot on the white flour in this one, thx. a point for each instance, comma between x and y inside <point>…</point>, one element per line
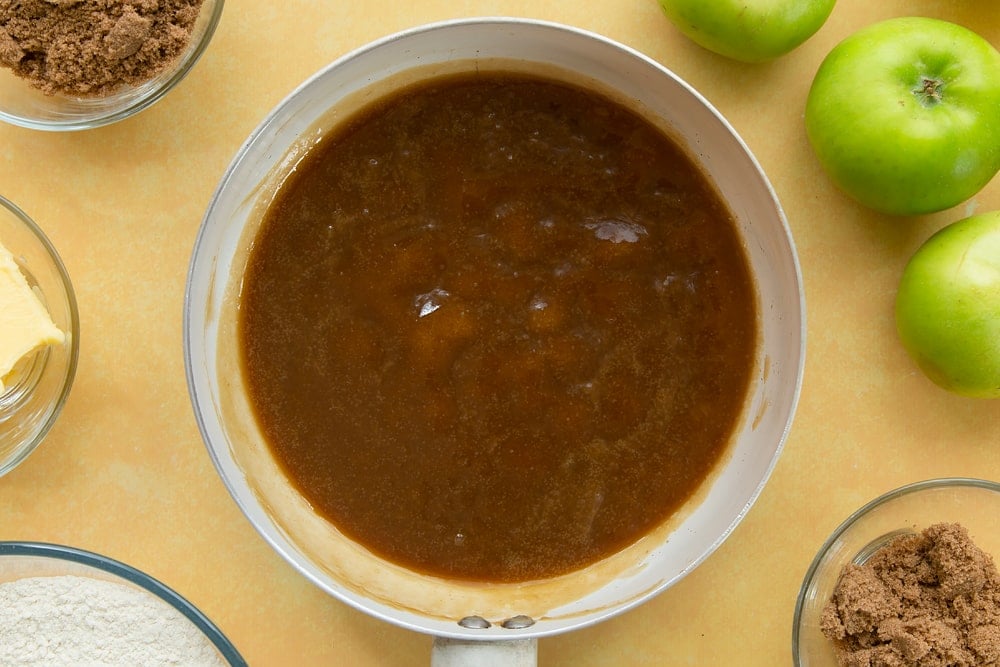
<point>84,622</point>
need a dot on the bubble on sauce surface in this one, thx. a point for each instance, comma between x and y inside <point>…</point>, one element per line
<point>687,281</point>
<point>546,314</point>
<point>428,302</point>
<point>617,230</point>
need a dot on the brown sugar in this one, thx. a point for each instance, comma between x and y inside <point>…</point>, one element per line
<point>90,48</point>
<point>924,600</point>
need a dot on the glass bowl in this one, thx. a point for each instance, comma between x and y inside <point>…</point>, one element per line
<point>180,619</point>
<point>33,398</point>
<point>973,503</point>
<point>24,105</point>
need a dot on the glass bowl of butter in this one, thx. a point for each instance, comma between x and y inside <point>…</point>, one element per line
<point>39,335</point>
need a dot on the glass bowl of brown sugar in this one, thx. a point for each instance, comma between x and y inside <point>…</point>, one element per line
<point>908,579</point>
<point>78,65</point>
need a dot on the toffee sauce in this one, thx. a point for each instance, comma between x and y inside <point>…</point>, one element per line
<point>497,328</point>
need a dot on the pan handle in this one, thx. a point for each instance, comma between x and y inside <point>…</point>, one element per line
<point>479,653</point>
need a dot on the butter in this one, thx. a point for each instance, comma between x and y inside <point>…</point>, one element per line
<point>25,324</point>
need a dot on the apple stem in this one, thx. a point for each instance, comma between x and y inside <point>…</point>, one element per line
<point>929,91</point>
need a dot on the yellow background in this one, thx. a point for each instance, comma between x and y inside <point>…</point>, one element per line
<point>124,471</point>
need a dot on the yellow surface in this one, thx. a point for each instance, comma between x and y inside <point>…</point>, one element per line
<point>25,325</point>
<point>124,471</point>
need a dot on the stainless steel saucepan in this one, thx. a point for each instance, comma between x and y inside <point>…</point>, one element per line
<point>477,623</point>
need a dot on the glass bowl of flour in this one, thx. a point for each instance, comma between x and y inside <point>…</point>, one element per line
<point>61,606</point>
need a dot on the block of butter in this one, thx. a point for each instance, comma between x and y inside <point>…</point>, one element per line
<point>25,324</point>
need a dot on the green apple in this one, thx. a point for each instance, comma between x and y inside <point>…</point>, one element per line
<point>904,115</point>
<point>948,306</point>
<point>748,30</point>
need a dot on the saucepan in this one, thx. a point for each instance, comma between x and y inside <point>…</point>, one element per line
<point>473,623</point>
